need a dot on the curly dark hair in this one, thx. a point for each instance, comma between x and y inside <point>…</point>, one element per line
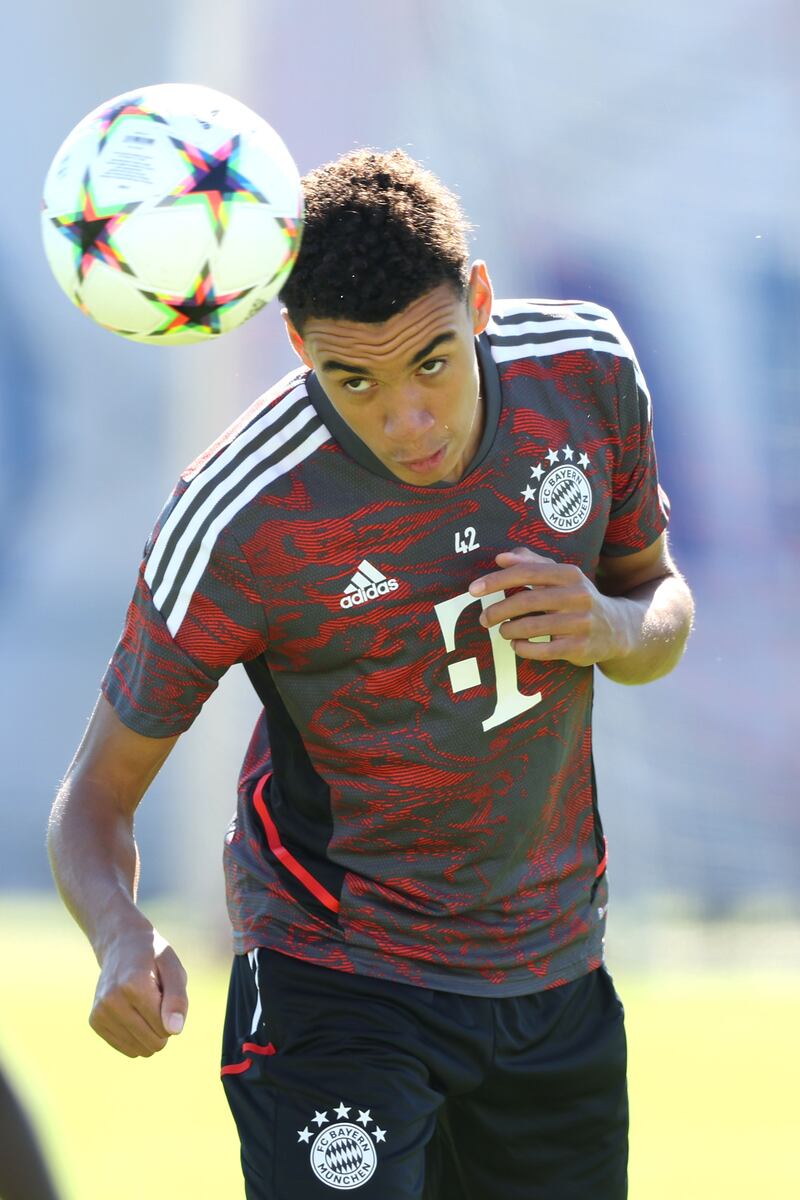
<point>380,231</point>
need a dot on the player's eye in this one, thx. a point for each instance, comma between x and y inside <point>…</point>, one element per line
<point>433,366</point>
<point>358,386</point>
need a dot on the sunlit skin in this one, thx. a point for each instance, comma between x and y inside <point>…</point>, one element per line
<point>409,387</point>
<point>632,623</point>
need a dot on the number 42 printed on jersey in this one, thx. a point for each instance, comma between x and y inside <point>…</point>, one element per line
<point>466,540</point>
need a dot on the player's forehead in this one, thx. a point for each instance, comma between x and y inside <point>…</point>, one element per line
<point>439,311</point>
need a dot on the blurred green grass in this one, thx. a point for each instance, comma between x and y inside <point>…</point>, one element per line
<point>715,1061</point>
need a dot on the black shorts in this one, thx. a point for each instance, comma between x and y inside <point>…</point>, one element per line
<point>340,1082</point>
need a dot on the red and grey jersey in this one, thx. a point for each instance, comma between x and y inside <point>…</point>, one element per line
<point>416,802</point>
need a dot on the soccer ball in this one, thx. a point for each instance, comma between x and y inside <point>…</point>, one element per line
<point>172,214</point>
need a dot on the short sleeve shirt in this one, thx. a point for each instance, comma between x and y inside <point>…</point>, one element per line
<point>416,802</point>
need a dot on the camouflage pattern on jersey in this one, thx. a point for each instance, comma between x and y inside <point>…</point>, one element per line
<point>416,802</point>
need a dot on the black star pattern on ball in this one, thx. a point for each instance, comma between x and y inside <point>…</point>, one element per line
<point>214,179</point>
<point>197,313</point>
<point>202,310</point>
<point>91,231</point>
<point>218,178</point>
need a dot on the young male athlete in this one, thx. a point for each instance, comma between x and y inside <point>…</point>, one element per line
<point>419,544</point>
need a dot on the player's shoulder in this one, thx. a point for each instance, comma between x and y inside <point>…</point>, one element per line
<point>549,325</point>
<point>508,310</point>
<point>542,329</point>
<point>288,394</point>
<point>278,431</point>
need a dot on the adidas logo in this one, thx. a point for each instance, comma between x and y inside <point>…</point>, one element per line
<point>367,584</point>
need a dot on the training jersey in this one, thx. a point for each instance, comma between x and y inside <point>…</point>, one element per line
<point>416,802</point>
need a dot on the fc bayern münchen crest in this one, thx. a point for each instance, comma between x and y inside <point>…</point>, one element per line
<point>343,1153</point>
<point>565,494</point>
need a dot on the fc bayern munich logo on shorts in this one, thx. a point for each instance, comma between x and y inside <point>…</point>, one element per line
<point>565,494</point>
<point>343,1153</point>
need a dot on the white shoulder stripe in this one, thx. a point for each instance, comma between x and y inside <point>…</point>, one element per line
<point>582,340</point>
<point>183,547</point>
<point>215,468</point>
<point>318,437</point>
<point>557,325</point>
<point>516,308</point>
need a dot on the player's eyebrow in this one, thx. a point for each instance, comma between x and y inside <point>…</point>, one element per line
<point>333,364</point>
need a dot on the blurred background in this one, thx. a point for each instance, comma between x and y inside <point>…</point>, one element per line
<point>639,154</point>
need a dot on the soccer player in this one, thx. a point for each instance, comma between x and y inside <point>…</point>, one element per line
<point>419,544</point>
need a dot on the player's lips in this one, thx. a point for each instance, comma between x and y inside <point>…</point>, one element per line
<point>422,465</point>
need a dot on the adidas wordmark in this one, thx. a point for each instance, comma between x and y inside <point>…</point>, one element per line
<point>367,584</point>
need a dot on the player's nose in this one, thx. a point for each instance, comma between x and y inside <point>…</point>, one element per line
<point>407,419</point>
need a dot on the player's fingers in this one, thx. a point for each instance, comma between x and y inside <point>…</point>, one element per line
<point>543,624</point>
<point>117,1041</point>
<point>579,650</point>
<point>518,576</point>
<point>143,997</point>
<point>526,571</point>
<point>126,1032</point>
<point>528,601</point>
<point>543,648</point>
<point>508,557</point>
<point>172,984</point>
<point>566,623</point>
<point>133,1000</point>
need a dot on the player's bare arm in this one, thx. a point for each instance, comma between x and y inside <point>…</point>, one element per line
<point>632,623</point>
<point>141,993</point>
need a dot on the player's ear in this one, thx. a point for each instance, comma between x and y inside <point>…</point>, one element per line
<point>480,296</point>
<point>298,345</point>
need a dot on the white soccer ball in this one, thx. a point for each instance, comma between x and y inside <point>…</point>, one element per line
<point>172,213</point>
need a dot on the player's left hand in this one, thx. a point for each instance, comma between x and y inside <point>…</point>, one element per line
<point>555,602</point>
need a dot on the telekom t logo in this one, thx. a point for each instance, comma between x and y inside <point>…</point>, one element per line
<point>511,702</point>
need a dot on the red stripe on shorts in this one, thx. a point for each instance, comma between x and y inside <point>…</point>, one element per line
<point>255,1049</point>
<point>237,1068</point>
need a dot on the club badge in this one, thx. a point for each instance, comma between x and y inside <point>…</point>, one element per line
<point>343,1153</point>
<point>564,492</point>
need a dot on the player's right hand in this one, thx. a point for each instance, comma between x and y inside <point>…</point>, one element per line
<point>141,998</point>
